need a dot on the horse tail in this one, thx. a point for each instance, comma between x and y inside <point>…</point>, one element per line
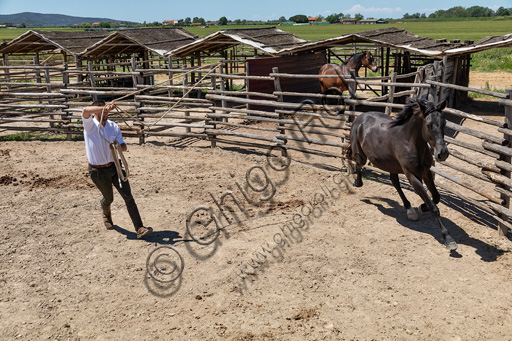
<point>331,91</point>
<point>348,153</point>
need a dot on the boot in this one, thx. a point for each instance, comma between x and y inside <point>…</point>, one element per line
<point>142,231</point>
<point>107,216</point>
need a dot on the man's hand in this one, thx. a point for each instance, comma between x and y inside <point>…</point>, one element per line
<point>111,106</point>
<point>97,110</point>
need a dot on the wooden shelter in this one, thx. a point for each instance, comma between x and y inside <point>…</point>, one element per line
<point>266,40</point>
<point>403,52</point>
<point>132,49</point>
<point>36,43</point>
<point>135,41</point>
<point>253,50</point>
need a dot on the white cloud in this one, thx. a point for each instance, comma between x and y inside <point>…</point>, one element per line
<point>373,10</point>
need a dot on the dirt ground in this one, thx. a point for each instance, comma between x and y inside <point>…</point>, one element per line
<point>496,80</point>
<point>357,269</point>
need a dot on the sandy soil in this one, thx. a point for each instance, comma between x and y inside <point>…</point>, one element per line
<point>496,80</point>
<point>357,270</point>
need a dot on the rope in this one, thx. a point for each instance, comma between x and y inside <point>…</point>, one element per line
<point>117,153</point>
<point>115,148</point>
<point>148,125</point>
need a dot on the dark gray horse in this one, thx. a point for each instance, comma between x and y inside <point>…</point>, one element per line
<point>400,145</point>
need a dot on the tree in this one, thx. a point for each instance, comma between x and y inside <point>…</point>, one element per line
<point>479,11</point>
<point>334,18</point>
<point>223,21</point>
<point>238,22</point>
<point>502,11</point>
<point>299,19</point>
<point>282,19</point>
<point>187,21</point>
<point>358,16</point>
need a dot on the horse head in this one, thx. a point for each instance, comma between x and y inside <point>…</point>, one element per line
<point>433,125</point>
<point>369,61</point>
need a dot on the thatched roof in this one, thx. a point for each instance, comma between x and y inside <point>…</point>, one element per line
<point>403,40</point>
<point>269,40</point>
<point>485,44</point>
<point>71,42</point>
<point>159,40</point>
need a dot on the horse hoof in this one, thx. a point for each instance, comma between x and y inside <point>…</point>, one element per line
<point>423,208</point>
<point>358,183</point>
<point>411,214</point>
<point>452,246</point>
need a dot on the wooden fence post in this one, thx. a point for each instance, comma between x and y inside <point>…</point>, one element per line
<point>391,93</point>
<point>223,102</point>
<point>502,228</point>
<point>6,70</point>
<point>212,121</point>
<point>277,88</point>
<point>49,90</point>
<point>171,75</point>
<point>65,80</point>
<point>36,63</point>
<point>185,90</point>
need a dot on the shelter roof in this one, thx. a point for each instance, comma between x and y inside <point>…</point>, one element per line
<point>403,40</point>
<point>71,42</point>
<point>159,40</point>
<point>269,40</point>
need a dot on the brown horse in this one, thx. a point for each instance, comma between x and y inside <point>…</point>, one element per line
<point>339,84</point>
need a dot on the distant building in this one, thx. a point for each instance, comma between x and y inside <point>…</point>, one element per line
<point>170,22</point>
<point>367,21</point>
<point>363,21</point>
<point>312,19</point>
<point>349,21</point>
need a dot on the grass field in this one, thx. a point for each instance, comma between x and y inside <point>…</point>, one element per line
<point>491,60</point>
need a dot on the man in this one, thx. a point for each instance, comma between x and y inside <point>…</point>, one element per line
<point>101,163</point>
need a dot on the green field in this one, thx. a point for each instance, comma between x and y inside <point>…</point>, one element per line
<point>463,30</point>
<point>491,60</point>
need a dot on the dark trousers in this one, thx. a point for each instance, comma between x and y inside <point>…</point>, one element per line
<point>104,178</point>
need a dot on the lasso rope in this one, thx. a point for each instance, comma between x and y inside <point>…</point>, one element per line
<point>148,125</point>
<point>115,148</point>
<point>117,152</point>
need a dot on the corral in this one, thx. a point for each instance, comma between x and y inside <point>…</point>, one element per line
<point>358,263</point>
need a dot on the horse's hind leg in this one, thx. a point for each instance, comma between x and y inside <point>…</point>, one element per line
<point>360,161</point>
<point>411,212</point>
<point>428,179</point>
<point>422,192</point>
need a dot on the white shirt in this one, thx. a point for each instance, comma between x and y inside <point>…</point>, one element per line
<point>97,149</point>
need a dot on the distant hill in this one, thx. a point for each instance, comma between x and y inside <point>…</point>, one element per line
<point>38,19</point>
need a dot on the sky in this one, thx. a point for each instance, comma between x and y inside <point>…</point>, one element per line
<point>160,10</point>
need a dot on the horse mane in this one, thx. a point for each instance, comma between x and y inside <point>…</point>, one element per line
<point>404,116</point>
<point>356,57</point>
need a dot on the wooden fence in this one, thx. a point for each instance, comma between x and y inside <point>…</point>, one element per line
<point>478,170</point>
